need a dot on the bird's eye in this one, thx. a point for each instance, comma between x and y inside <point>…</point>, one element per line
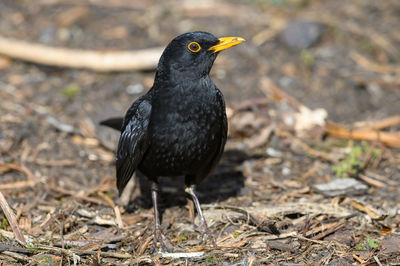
<point>194,47</point>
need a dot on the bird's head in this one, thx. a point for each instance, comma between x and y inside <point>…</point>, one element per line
<point>191,55</point>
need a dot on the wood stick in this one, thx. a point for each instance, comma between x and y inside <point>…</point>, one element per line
<point>340,131</point>
<point>11,219</point>
<point>373,66</point>
<point>74,195</point>
<point>14,249</point>
<point>372,182</point>
<point>73,58</point>
<point>17,185</point>
<point>381,124</point>
<point>358,259</point>
<point>126,194</point>
<point>324,155</point>
<point>329,231</point>
<point>272,91</point>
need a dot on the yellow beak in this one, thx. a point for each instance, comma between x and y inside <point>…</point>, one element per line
<point>225,43</point>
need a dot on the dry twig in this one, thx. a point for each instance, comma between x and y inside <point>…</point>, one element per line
<point>371,181</point>
<point>340,131</point>
<point>326,156</point>
<point>381,124</point>
<point>272,91</point>
<point>74,194</point>
<point>72,58</point>
<point>11,219</point>
<point>373,66</point>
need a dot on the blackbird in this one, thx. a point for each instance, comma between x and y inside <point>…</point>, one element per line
<point>179,128</point>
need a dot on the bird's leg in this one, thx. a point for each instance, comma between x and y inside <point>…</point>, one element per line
<point>165,243</point>
<point>202,228</point>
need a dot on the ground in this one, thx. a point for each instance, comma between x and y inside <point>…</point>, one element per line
<point>262,205</point>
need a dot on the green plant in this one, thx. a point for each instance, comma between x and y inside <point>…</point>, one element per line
<point>236,234</point>
<point>366,45</point>
<point>211,258</point>
<point>3,225</point>
<point>360,246</point>
<point>71,91</point>
<point>354,159</point>
<point>348,165</point>
<point>183,237</point>
<point>371,243</point>
<point>308,58</point>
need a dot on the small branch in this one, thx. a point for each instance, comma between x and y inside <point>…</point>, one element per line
<point>328,231</point>
<point>126,194</point>
<point>72,58</point>
<point>272,91</point>
<point>11,219</point>
<point>74,195</point>
<point>358,259</point>
<point>179,255</point>
<point>118,218</point>
<point>15,249</point>
<point>381,124</point>
<point>321,154</point>
<point>81,252</point>
<point>17,185</point>
<point>372,182</point>
<point>373,66</point>
<point>340,131</point>
<point>16,256</point>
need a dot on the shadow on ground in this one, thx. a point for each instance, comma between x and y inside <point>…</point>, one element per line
<point>225,182</point>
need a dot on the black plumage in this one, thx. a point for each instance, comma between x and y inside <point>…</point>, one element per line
<point>179,128</point>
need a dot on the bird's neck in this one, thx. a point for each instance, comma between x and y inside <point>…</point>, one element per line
<point>173,74</point>
<point>190,86</point>
<point>175,77</point>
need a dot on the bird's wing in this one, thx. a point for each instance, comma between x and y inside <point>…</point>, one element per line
<point>224,135</point>
<point>133,141</point>
<point>114,123</point>
<point>224,131</point>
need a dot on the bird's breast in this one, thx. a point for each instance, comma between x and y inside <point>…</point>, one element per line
<point>184,134</point>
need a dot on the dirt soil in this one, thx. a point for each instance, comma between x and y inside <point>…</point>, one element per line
<point>57,164</point>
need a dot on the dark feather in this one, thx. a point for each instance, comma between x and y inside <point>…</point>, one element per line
<point>133,142</point>
<point>114,123</point>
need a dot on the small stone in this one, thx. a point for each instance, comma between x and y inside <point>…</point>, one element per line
<point>286,171</point>
<point>59,125</point>
<point>339,261</point>
<point>273,152</point>
<point>244,191</point>
<point>111,246</point>
<point>280,245</point>
<point>63,34</point>
<point>341,186</point>
<point>344,237</point>
<point>390,245</point>
<point>135,89</point>
<point>301,34</point>
<point>47,35</point>
<point>286,82</point>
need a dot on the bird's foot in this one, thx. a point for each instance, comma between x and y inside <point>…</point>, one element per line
<point>165,244</point>
<point>206,234</point>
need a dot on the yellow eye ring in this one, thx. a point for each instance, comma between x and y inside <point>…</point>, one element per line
<point>194,47</point>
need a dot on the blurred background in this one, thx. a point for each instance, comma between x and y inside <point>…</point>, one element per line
<point>306,47</point>
<point>338,57</point>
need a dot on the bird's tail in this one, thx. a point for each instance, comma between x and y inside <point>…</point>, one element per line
<point>114,123</point>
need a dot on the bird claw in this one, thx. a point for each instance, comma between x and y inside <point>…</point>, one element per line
<point>165,244</point>
<point>206,234</point>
